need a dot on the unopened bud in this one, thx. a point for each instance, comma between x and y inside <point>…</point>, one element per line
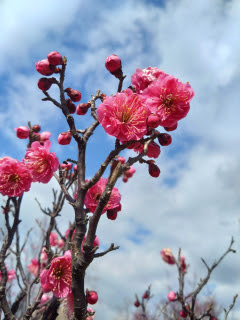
<point>74,95</point>
<point>112,214</point>
<point>183,314</point>
<point>171,296</point>
<point>44,67</point>
<point>113,63</point>
<point>45,83</point>
<point>137,303</point>
<point>153,170</point>
<point>64,138</point>
<point>67,166</point>
<point>71,106</point>
<point>92,297</point>
<point>36,128</point>
<point>54,58</point>
<point>153,121</point>
<point>164,139</point>
<point>172,128</point>
<point>22,132</point>
<point>82,108</point>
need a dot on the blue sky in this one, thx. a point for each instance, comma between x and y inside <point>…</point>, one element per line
<point>195,202</point>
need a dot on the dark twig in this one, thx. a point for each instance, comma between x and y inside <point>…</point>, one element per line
<point>111,248</point>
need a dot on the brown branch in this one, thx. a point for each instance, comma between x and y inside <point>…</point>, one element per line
<point>230,307</point>
<point>121,79</point>
<point>111,248</point>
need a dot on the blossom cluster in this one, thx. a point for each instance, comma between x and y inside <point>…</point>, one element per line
<point>39,165</point>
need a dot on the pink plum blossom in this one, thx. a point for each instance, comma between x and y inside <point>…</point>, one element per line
<point>45,135</point>
<point>123,116</point>
<point>33,267</point>
<point>11,275</point>
<point>169,99</point>
<point>15,177</point>
<point>94,193</point>
<point>58,277</point>
<point>43,257</point>
<point>41,162</point>
<point>141,79</point>
<point>22,132</point>
<point>53,239</point>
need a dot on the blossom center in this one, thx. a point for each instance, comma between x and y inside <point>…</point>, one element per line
<point>58,272</point>
<point>168,101</point>
<point>14,178</point>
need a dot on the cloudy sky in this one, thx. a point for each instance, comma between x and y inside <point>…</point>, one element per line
<point>194,204</point>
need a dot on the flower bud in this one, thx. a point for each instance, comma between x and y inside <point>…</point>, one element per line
<point>153,121</point>
<point>74,95</point>
<point>45,83</point>
<point>71,106</point>
<point>183,314</point>
<point>153,170</point>
<point>113,63</point>
<point>36,128</point>
<point>121,159</point>
<point>172,128</point>
<point>53,239</point>
<point>171,296</point>
<point>146,294</point>
<point>44,67</point>
<point>167,256</point>
<point>112,214</point>
<point>60,243</point>
<point>82,108</point>
<point>22,132</point>
<point>164,139</point>
<point>92,297</point>
<point>64,138</point>
<point>67,166</point>
<point>125,179</point>
<point>153,150</point>
<point>54,58</point>
<point>75,168</point>
<point>137,303</point>
<point>183,264</point>
<point>130,172</point>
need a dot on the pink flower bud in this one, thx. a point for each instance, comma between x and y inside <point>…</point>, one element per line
<point>53,239</point>
<point>22,132</point>
<point>36,128</point>
<point>121,159</point>
<point>64,138</point>
<point>75,168</point>
<point>164,139</point>
<point>167,256</point>
<point>82,108</point>
<point>92,297</point>
<point>153,121</point>
<point>67,166</point>
<point>183,314</point>
<point>130,172</point>
<point>146,294</point>
<point>113,63</point>
<point>44,67</point>
<point>44,298</point>
<point>60,243</point>
<point>125,179</point>
<point>45,83</point>
<point>54,58</point>
<point>74,95</point>
<point>153,170</point>
<point>171,296</point>
<point>172,128</point>
<point>71,106</point>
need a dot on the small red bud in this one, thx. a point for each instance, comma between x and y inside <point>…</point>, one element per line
<point>125,179</point>
<point>82,108</point>
<point>64,138</point>
<point>164,139</point>
<point>71,106</point>
<point>74,95</point>
<point>45,83</point>
<point>137,303</point>
<point>22,132</point>
<point>92,297</point>
<point>54,58</point>
<point>183,314</point>
<point>36,128</point>
<point>112,214</point>
<point>113,63</point>
<point>44,67</point>
<point>172,128</point>
<point>146,295</point>
<point>171,296</point>
<point>153,170</point>
<point>153,121</point>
